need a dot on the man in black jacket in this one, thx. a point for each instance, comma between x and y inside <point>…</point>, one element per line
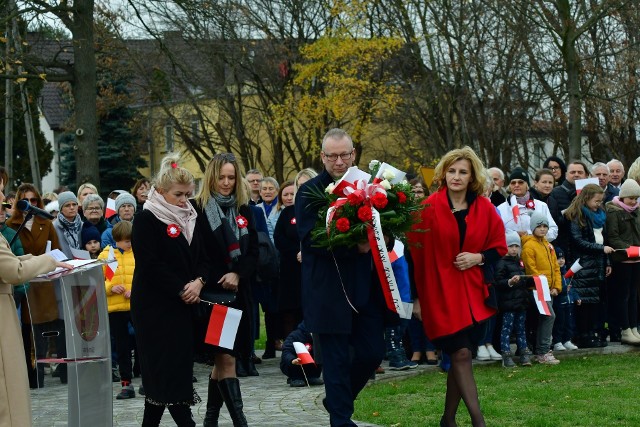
<point>563,196</point>
<point>342,301</point>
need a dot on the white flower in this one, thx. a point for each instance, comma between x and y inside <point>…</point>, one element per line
<point>330,188</point>
<point>404,182</point>
<point>388,174</point>
<point>385,184</point>
<point>373,164</point>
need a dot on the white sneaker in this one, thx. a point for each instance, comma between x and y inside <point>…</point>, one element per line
<point>559,347</point>
<point>570,346</point>
<point>547,359</point>
<point>483,353</point>
<point>493,353</point>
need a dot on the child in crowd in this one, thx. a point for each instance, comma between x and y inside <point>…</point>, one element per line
<point>118,291</point>
<point>539,259</point>
<point>290,363</point>
<point>90,239</point>
<point>513,299</point>
<point>393,334</point>
<point>564,326</point>
<point>587,227</point>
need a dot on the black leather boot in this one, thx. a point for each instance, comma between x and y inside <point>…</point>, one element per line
<point>214,403</point>
<point>230,389</point>
<point>250,367</point>
<point>241,372</point>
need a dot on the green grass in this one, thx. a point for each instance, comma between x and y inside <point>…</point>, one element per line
<point>591,390</point>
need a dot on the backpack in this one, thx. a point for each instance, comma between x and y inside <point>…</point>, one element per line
<point>268,267</point>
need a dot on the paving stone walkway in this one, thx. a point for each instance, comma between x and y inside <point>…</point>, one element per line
<point>268,400</point>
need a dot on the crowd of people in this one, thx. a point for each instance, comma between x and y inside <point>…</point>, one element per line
<point>484,240</point>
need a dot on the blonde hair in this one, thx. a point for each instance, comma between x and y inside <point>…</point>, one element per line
<point>478,174</point>
<point>86,185</point>
<point>634,170</point>
<point>308,172</point>
<point>171,173</point>
<point>210,180</point>
<point>574,211</point>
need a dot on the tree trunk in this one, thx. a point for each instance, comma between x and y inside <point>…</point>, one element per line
<point>575,101</point>
<point>84,93</point>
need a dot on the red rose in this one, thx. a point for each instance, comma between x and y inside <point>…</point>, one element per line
<point>364,213</point>
<point>342,225</point>
<point>355,198</point>
<point>241,221</point>
<point>379,200</point>
<point>530,204</point>
<point>402,197</point>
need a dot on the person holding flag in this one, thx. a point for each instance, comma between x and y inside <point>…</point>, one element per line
<point>587,221</point>
<point>231,241</point>
<point>455,246</point>
<point>171,269</point>
<point>297,361</point>
<point>623,233</point>
<point>540,260</point>
<point>118,280</point>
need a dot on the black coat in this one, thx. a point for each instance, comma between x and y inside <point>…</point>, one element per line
<point>590,278</point>
<point>245,267</point>
<point>562,196</point>
<point>300,334</point>
<point>515,298</point>
<point>324,305</point>
<point>162,321</point>
<point>288,244</point>
<point>550,201</point>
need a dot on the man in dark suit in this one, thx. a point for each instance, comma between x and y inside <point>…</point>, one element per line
<point>341,297</point>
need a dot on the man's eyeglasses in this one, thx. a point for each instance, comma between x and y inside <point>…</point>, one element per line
<point>254,180</point>
<point>334,157</point>
<point>94,208</point>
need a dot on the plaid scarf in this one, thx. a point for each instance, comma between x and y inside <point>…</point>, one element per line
<point>224,227</point>
<point>71,230</point>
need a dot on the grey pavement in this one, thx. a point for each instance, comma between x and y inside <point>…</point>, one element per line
<point>268,400</point>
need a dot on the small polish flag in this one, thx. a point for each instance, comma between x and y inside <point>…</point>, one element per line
<point>580,183</point>
<point>303,353</point>
<point>516,213</point>
<point>541,294</point>
<point>223,326</point>
<point>573,270</point>
<point>633,251</point>
<point>111,208</point>
<point>110,271</point>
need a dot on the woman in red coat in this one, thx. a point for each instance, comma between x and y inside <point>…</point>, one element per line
<point>461,236</point>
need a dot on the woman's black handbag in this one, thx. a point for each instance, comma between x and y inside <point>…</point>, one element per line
<point>217,296</point>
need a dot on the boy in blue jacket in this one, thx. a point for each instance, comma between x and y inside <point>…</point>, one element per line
<point>290,363</point>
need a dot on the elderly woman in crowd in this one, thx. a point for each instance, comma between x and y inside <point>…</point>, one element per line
<point>93,208</point>
<point>83,191</point>
<point>462,238</point>
<point>517,210</point>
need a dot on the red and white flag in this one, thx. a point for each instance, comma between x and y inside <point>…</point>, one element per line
<point>573,270</point>
<point>111,208</point>
<point>633,251</point>
<point>112,266</point>
<point>223,326</point>
<point>516,213</point>
<point>580,183</point>
<point>303,353</point>
<point>541,294</point>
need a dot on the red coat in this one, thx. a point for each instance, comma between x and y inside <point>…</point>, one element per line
<point>451,299</point>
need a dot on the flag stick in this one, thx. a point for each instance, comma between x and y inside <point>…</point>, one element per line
<point>305,376</point>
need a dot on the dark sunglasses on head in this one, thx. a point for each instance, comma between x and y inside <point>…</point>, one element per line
<point>228,157</point>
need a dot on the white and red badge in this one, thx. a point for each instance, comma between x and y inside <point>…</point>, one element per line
<point>173,230</point>
<point>293,221</point>
<point>241,221</point>
<point>530,204</point>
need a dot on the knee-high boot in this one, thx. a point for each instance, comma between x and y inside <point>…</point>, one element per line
<point>230,389</point>
<point>214,403</point>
